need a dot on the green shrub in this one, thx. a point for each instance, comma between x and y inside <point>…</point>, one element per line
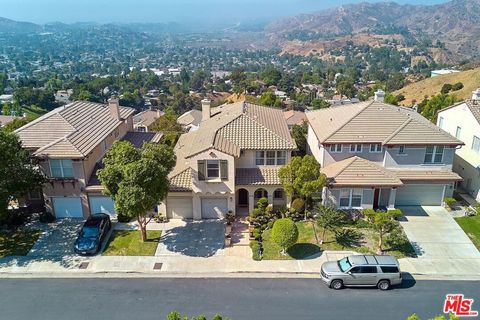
<point>362,224</point>
<point>122,218</point>
<point>284,233</point>
<point>262,204</point>
<point>446,88</point>
<point>46,217</point>
<point>449,201</point>
<point>257,233</point>
<point>457,86</point>
<point>256,250</point>
<point>270,224</point>
<point>298,205</point>
<point>395,213</point>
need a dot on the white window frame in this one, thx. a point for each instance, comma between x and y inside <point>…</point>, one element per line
<point>207,169</point>
<point>434,153</point>
<point>62,168</point>
<point>458,132</point>
<point>440,122</point>
<point>281,156</point>
<point>336,148</point>
<point>377,148</point>
<point>351,193</point>
<point>476,144</point>
<point>269,158</point>
<point>356,148</point>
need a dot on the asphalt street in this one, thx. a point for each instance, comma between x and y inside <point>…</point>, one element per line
<point>292,299</point>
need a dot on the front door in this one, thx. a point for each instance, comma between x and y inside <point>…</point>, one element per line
<point>242,198</point>
<point>376,198</point>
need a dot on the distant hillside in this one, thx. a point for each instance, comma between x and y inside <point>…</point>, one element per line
<point>455,23</point>
<point>426,88</point>
<point>7,25</point>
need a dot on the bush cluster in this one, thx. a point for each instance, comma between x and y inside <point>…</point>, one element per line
<point>449,201</point>
<point>46,217</point>
<point>256,247</point>
<point>285,233</point>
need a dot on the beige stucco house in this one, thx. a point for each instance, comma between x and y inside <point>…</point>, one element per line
<point>462,120</point>
<point>70,142</point>
<point>377,155</point>
<point>229,162</point>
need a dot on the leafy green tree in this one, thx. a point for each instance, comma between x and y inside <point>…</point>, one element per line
<point>136,179</point>
<point>346,87</point>
<point>269,98</point>
<point>299,134</point>
<point>17,123</point>
<point>429,107</point>
<point>18,170</point>
<point>330,219</point>
<point>319,104</point>
<point>284,233</point>
<point>382,223</point>
<point>167,124</point>
<point>302,177</point>
<point>7,109</point>
<point>271,76</point>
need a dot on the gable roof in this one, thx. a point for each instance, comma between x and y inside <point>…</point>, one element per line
<point>376,122</point>
<point>147,117</point>
<point>473,105</point>
<point>190,117</point>
<point>71,131</point>
<point>294,117</point>
<point>356,171</point>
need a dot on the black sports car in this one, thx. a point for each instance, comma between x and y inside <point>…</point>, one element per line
<point>92,234</point>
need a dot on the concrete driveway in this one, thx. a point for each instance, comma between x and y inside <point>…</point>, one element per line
<point>193,238</point>
<point>435,234</point>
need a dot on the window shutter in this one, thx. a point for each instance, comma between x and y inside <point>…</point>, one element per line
<point>201,169</point>
<point>224,169</point>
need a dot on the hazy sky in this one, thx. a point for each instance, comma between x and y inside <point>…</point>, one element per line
<point>41,11</point>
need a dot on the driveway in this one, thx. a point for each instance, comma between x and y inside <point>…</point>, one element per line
<point>435,234</point>
<point>193,238</point>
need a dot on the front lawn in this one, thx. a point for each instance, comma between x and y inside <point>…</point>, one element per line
<point>129,243</point>
<point>352,238</point>
<point>471,226</point>
<point>17,243</point>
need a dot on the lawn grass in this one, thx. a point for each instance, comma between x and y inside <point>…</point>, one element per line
<point>129,243</point>
<point>471,226</point>
<point>361,240</point>
<point>17,243</point>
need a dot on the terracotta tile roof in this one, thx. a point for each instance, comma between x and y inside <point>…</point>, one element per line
<point>427,175</point>
<point>257,176</point>
<point>147,117</point>
<point>356,171</point>
<point>376,122</point>
<point>182,182</point>
<point>72,131</point>
<point>294,117</point>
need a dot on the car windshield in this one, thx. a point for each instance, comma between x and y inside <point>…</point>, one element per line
<point>344,264</point>
<point>89,232</point>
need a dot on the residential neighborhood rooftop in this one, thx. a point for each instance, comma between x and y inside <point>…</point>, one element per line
<point>147,117</point>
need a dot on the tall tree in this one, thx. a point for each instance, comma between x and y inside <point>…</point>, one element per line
<point>299,134</point>
<point>136,179</point>
<point>18,170</point>
<point>383,223</point>
<point>330,219</point>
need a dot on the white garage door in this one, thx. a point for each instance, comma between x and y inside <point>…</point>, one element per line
<point>101,204</point>
<point>179,208</point>
<point>419,195</point>
<point>68,207</point>
<point>214,208</point>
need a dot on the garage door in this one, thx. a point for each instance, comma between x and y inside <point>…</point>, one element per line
<point>214,208</point>
<point>100,204</point>
<point>419,195</point>
<point>68,207</point>
<point>179,208</point>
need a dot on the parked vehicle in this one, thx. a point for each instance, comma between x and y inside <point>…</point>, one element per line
<point>92,234</point>
<point>362,270</point>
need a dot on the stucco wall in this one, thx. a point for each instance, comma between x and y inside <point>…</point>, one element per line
<point>314,148</point>
<point>331,157</point>
<point>220,187</point>
<point>248,157</point>
<point>414,158</point>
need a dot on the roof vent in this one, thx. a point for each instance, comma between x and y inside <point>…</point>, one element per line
<point>379,95</point>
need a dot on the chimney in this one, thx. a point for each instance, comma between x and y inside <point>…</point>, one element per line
<point>114,108</point>
<point>379,95</point>
<point>476,95</point>
<point>205,109</point>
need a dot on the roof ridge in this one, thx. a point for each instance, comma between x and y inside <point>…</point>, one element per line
<point>396,131</point>
<point>348,163</point>
<point>347,121</point>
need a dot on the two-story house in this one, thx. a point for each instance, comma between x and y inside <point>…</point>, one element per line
<point>377,155</point>
<point>229,162</point>
<point>463,121</point>
<point>70,142</point>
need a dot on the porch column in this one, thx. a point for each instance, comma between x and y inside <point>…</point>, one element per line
<point>162,208</point>
<point>391,199</point>
<point>270,197</point>
<point>289,200</point>
<point>251,202</point>
<point>197,207</point>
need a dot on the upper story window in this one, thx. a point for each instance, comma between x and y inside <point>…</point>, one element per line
<point>458,133</point>
<point>476,144</point>
<point>212,169</point>
<point>376,147</point>
<point>402,150</point>
<point>434,154</point>
<point>61,168</point>
<point>355,148</point>
<point>336,148</point>
<point>440,122</point>
<point>270,158</point>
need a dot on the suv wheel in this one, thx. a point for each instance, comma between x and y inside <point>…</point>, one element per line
<point>336,284</point>
<point>383,285</point>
